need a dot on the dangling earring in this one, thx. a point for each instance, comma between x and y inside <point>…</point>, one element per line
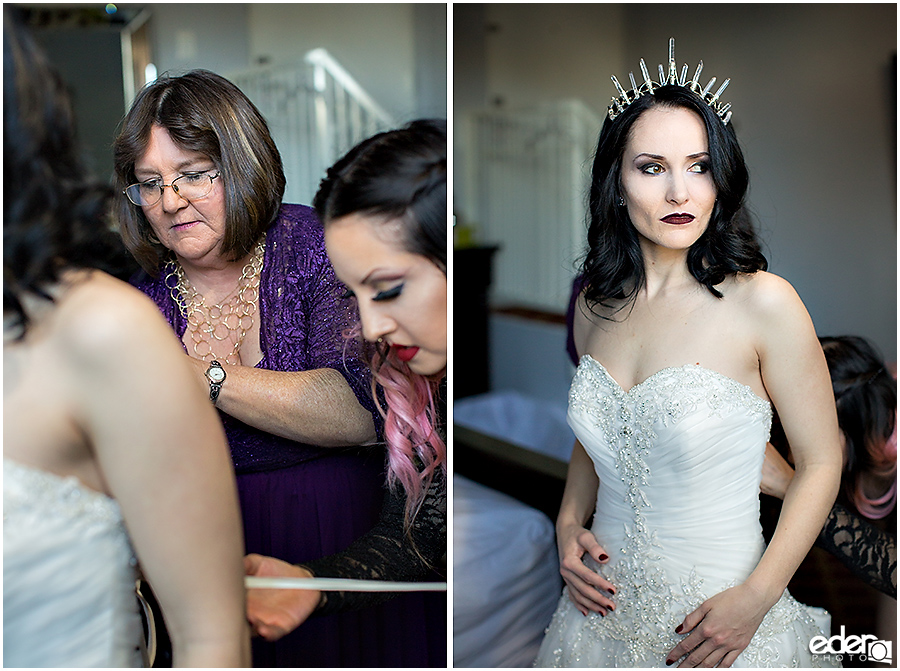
<point>621,201</point>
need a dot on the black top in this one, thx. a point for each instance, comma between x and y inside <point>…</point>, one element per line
<point>387,552</point>
<point>869,552</point>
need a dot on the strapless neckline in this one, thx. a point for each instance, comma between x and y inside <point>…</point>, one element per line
<point>670,370</point>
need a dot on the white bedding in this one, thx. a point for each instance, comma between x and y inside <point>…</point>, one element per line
<point>506,579</point>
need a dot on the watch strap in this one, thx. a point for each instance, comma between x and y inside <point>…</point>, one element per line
<point>214,387</point>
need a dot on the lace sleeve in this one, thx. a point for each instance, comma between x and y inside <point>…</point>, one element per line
<point>387,553</point>
<point>863,548</point>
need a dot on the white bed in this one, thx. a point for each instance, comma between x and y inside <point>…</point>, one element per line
<point>506,581</point>
<point>505,577</point>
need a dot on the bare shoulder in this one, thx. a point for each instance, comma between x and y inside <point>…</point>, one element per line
<point>766,296</point>
<point>588,319</point>
<point>99,317</point>
<point>774,317</point>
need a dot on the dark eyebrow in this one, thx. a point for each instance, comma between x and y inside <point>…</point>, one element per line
<point>657,157</point>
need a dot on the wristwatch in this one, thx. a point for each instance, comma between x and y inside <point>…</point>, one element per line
<point>216,376</point>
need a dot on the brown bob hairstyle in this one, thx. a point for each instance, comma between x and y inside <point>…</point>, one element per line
<point>205,113</point>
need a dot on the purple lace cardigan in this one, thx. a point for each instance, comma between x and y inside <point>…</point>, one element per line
<point>303,318</point>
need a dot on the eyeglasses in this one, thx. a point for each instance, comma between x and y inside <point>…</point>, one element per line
<point>190,187</point>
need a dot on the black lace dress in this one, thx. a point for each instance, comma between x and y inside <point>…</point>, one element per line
<point>387,553</point>
<point>868,551</point>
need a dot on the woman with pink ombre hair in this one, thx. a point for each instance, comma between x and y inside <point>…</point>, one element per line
<point>384,209</point>
<point>865,393</point>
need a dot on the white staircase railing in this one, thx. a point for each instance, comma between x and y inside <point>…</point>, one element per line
<point>316,112</point>
<point>527,174</point>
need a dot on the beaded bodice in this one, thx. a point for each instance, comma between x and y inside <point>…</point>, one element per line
<point>669,447</point>
<point>679,459</point>
<point>68,574</point>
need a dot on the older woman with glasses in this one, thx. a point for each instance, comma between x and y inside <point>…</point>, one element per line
<point>246,285</point>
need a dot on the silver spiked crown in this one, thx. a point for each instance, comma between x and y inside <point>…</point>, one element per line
<point>670,77</point>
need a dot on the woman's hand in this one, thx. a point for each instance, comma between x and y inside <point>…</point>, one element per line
<point>588,590</point>
<point>274,613</point>
<point>720,629</point>
<point>776,473</point>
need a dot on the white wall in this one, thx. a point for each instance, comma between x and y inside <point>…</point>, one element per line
<point>396,51</point>
<point>352,33</point>
<point>430,30</point>
<point>508,56</point>
<point>193,35</point>
<point>540,52</point>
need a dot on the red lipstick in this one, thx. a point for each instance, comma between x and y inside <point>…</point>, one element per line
<point>679,218</point>
<point>404,353</point>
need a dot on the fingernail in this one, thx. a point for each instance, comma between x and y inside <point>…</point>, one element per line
<point>612,590</point>
<point>669,662</point>
<point>678,628</point>
<point>604,557</point>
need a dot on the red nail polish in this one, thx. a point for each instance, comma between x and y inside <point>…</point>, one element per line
<point>669,662</point>
<point>678,629</point>
<point>604,557</point>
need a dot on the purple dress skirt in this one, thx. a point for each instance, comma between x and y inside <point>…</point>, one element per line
<point>301,502</point>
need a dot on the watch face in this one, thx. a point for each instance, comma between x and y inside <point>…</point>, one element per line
<point>215,374</point>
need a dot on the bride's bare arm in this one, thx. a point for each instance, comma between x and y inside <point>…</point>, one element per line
<point>796,378</point>
<point>163,455</point>
<point>587,589</point>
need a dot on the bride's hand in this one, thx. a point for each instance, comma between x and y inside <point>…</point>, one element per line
<point>587,589</point>
<point>275,612</point>
<point>720,629</point>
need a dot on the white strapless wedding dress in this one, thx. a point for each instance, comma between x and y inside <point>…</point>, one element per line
<point>679,458</point>
<point>68,575</point>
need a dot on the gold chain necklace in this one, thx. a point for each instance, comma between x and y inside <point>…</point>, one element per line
<point>207,324</point>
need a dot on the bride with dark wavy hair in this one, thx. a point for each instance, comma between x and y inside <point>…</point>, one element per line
<point>687,346</point>
<point>89,497</point>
